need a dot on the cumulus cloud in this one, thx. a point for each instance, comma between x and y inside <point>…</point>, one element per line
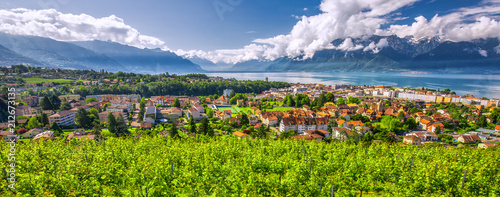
<point>348,45</point>
<point>377,47</point>
<point>231,56</point>
<point>483,53</point>
<point>69,27</point>
<point>341,19</point>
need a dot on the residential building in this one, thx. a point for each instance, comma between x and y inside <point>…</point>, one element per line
<point>411,139</point>
<point>469,138</point>
<point>69,98</point>
<point>32,132</point>
<point>150,115</point>
<point>487,145</point>
<point>194,113</point>
<point>65,118</point>
<point>103,116</point>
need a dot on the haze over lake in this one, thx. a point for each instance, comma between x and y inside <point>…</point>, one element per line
<point>477,85</point>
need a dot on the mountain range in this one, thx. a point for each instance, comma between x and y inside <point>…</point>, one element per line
<point>96,55</point>
<point>396,55</point>
<point>367,54</point>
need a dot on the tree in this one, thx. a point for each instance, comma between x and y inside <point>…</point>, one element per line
<point>106,105</point>
<point>55,127</point>
<point>330,97</point>
<point>192,125</point>
<point>401,115</point>
<point>111,123</point>
<point>177,103</point>
<point>55,101</point>
<point>33,123</point>
<point>351,99</point>
<point>232,94</point>
<point>244,120</point>
<point>321,100</point>
<point>341,101</point>
<point>205,127</point>
<point>97,129</point>
<point>65,106</point>
<point>89,100</point>
<point>45,103</point>
<point>411,123</point>
<point>481,122</point>
<point>261,132</point>
<point>82,118</point>
<point>437,131</point>
<point>140,116</point>
<point>173,132</point>
<point>121,126</point>
<point>44,119</point>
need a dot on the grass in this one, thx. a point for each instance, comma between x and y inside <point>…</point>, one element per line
<point>41,80</point>
<point>227,108</point>
<point>280,109</point>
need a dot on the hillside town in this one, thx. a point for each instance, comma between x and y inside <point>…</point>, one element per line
<point>302,111</point>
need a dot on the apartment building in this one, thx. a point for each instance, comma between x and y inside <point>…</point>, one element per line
<point>66,117</point>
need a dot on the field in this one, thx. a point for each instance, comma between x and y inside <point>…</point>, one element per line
<point>234,109</point>
<point>226,166</point>
<point>41,80</point>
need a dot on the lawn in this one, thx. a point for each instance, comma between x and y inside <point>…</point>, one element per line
<point>280,109</point>
<point>227,108</point>
<point>41,80</point>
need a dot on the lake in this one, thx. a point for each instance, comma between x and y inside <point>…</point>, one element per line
<point>477,85</point>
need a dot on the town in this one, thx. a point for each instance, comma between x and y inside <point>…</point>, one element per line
<point>316,112</point>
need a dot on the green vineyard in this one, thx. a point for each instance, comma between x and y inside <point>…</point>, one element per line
<point>227,166</point>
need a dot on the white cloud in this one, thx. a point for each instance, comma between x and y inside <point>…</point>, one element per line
<point>361,18</point>
<point>483,53</point>
<point>348,45</point>
<point>69,27</point>
<point>377,47</point>
<point>305,9</point>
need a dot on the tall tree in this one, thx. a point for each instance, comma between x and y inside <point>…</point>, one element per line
<point>111,123</point>
<point>173,132</point>
<point>45,103</point>
<point>177,103</point>
<point>244,120</point>
<point>205,127</point>
<point>55,101</point>
<point>44,119</point>
<point>321,100</point>
<point>437,130</point>
<point>121,126</point>
<point>82,118</point>
<point>192,125</point>
<point>33,123</point>
<point>142,110</point>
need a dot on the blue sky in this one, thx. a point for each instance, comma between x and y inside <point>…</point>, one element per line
<point>251,29</point>
<point>191,24</point>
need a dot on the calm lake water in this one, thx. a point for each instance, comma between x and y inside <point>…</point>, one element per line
<point>477,85</point>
